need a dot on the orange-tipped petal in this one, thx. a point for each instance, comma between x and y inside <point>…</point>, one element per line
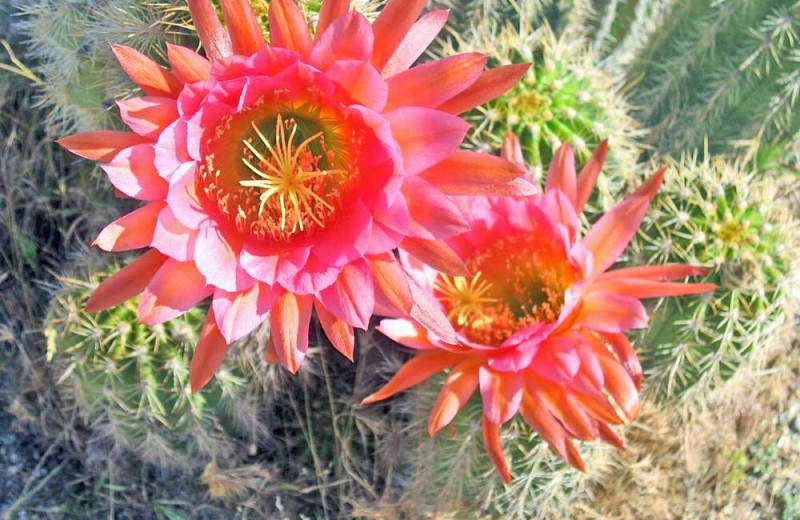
<point>588,176</point>
<point>391,27</point>
<point>470,169</point>
<point>126,283</point>
<point>501,393</point>
<point>511,150</point>
<point>492,83</point>
<point>175,288</point>
<point>517,188</point>
<point>626,355</point>
<point>133,231</point>
<point>659,273</point>
<point>339,332</point>
<point>576,419</point>
<point>436,254</point>
<point>391,286</point>
<point>426,310</point>
<point>608,435</point>
<point>561,173</point>
<point>213,36</point>
<point>643,289</point>
<point>459,386</point>
<point>418,38</point>
<point>609,312</point>
<point>187,65</point>
<point>650,187</point>
<point>211,349</point>
<point>288,27</point>
<point>290,318</point>
<point>493,446</point>
<point>535,412</point>
<point>243,27</point>
<point>271,354</point>
<point>154,79</point>
<point>330,11</point>
<point>419,368</point>
<point>621,386</point>
<point>101,145</point>
<point>451,76</point>
<point>599,408</point>
<point>610,235</point>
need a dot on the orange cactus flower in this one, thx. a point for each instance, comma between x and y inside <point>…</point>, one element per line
<point>279,178</point>
<point>541,318</point>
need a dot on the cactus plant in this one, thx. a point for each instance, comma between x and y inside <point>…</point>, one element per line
<point>716,213</point>
<point>129,382</point>
<point>565,97</point>
<point>728,69</point>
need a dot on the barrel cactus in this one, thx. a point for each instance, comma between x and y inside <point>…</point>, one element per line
<point>130,382</point>
<point>718,214</point>
<point>565,97</point>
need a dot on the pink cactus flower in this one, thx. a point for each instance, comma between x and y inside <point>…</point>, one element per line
<point>541,318</point>
<point>280,178</point>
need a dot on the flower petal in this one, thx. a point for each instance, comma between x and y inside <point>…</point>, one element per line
<point>627,356</point>
<point>361,81</point>
<point>243,27</point>
<point>101,145</point>
<point>391,27</point>
<point>436,254</point>
<point>392,291</point>
<point>493,446</point>
<point>352,297</point>
<point>187,65</point>
<point>211,349</point>
<point>459,386</point>
<point>173,238</point>
<point>419,368</point>
<point>350,37</point>
<point>433,83</point>
<point>213,36</point>
<point>175,288</point>
<point>609,312</point>
<point>588,177</point>
<point>154,79</point>
<point>433,214</point>
<point>288,27</point>
<point>610,235</point>
<point>290,318</point>
<point>240,313</point>
<point>470,169</point>
<point>133,172</point>
<point>148,116</point>
<point>182,198</point>
<point>418,38</point>
<point>426,136</point>
<point>338,331</point>
<point>660,273</point>
<point>218,259</point>
<point>133,231</point>
<point>643,289</point>
<point>561,174</point>
<point>501,393</point>
<point>126,283</point>
<point>407,333</point>
<point>492,83</point>
<point>427,311</point>
<point>330,11</point>
<point>537,415</point>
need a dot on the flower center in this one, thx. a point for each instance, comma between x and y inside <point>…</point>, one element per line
<point>282,172</point>
<point>519,280</point>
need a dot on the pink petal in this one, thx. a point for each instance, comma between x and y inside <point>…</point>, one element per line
<point>418,38</point>
<point>436,254</point>
<point>660,273</point>
<point>427,311</point>
<point>561,174</point>
<point>588,177</point>
<point>471,169</point>
<point>493,83</point>
<point>173,238</point>
<point>133,172</point>
<point>288,27</point>
<point>352,297</point>
<point>290,318</point>
<point>421,367</point>
<point>392,291</point>
<point>330,11</point>
<point>182,197</point>
<point>433,83</point>
<point>350,37</point>
<point>610,235</point>
<point>170,149</point>
<point>176,288</point>
<point>347,238</point>
<point>243,26</point>
<point>264,264</point>
<point>608,312</point>
<point>457,389</point>
<point>187,65</point>
<point>240,313</point>
<point>216,41</point>
<point>218,260</point>
<point>154,79</point>
<point>101,145</point>
<point>407,333</point>
<point>361,81</point>
<point>391,27</point>
<point>338,331</point>
<point>148,116</point>
<point>501,393</point>
<point>623,348</point>
<point>433,214</point>
<point>133,231</point>
<point>643,289</point>
<point>425,136</point>
<point>560,211</point>
<point>126,283</point>
<point>314,277</point>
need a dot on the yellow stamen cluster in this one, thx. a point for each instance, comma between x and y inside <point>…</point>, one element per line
<point>464,298</point>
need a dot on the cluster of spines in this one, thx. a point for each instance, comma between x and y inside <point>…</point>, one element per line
<point>715,213</point>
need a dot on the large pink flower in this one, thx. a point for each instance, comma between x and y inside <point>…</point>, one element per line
<point>281,177</point>
<point>541,319</point>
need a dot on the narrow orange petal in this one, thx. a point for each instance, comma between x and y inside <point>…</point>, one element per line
<point>154,79</point>
<point>464,168</point>
<point>426,310</point>
<point>610,235</point>
<point>561,173</point>
<point>390,283</point>
<point>588,176</point>
<point>459,386</point>
<point>289,318</point>
<point>391,27</point>
<point>419,368</point>
<point>211,349</point>
<point>660,273</point>
<point>608,435</point>
<point>599,408</point>
<point>643,289</point>
<point>126,283</point>
<point>101,145</point>
<point>133,231</point>
<point>493,83</point>
<point>535,412</point>
<point>216,41</point>
<point>436,254</point>
<point>330,11</point>
<point>418,38</point>
<point>288,27</point>
<point>621,386</point>
<point>271,354</point>
<point>491,441</point>
<point>243,26</point>
<point>626,355</point>
<point>187,65</point>
<point>650,187</point>
<point>433,83</point>
<point>517,188</point>
<point>338,331</point>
